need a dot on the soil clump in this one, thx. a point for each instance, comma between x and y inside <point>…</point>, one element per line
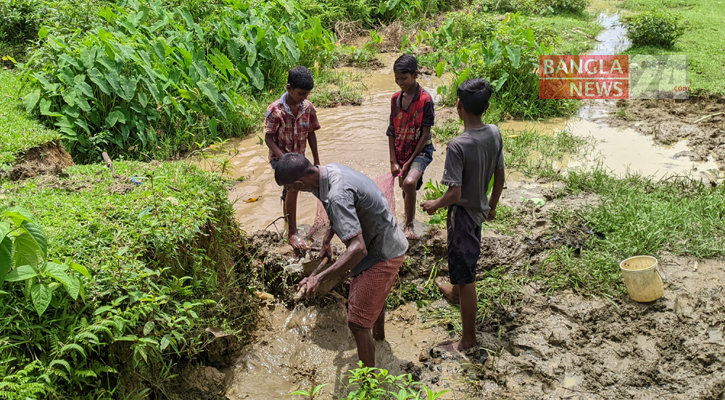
<point>48,159</point>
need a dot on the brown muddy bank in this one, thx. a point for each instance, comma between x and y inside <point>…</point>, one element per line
<point>553,346</point>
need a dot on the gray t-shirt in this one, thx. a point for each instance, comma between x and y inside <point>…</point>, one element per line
<point>471,160</point>
<point>354,204</point>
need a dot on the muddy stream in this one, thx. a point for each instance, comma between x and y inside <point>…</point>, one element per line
<point>553,347</point>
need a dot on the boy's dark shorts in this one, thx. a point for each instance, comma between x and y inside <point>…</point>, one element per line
<point>273,162</point>
<point>464,246</point>
<point>421,162</point>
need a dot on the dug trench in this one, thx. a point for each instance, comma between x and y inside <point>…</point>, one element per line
<point>534,341</point>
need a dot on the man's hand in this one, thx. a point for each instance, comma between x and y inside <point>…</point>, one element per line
<point>491,214</point>
<point>429,207</point>
<point>309,285</point>
<point>326,251</point>
<point>395,169</point>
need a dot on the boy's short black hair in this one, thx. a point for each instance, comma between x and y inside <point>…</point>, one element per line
<point>290,168</point>
<point>300,78</point>
<point>474,95</point>
<point>406,64</point>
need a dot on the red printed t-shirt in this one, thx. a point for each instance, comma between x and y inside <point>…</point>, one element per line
<point>290,132</point>
<point>407,125</point>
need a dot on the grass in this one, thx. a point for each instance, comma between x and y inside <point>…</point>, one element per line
<point>704,42</point>
<point>161,257</point>
<point>18,130</point>
<point>532,153</point>
<point>577,31</point>
<point>337,87</point>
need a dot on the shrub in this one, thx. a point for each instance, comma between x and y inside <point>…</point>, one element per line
<point>151,82</point>
<point>333,11</point>
<point>533,6</point>
<point>158,253</point>
<point>654,28</point>
<point>20,20</point>
<point>575,6</point>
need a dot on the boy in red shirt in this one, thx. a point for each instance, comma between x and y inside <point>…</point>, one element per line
<point>411,148</point>
<point>291,122</point>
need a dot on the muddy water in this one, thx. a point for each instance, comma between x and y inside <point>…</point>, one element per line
<point>350,135</point>
<point>303,348</point>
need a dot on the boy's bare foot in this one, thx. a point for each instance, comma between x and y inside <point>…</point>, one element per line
<point>378,335</point>
<point>448,292</point>
<point>410,232</point>
<point>297,242</point>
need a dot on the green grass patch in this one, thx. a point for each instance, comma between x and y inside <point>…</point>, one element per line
<point>640,215</point>
<point>161,254</point>
<point>703,42</point>
<point>18,131</point>
<point>577,31</point>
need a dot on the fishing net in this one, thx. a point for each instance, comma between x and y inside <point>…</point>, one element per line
<point>385,182</point>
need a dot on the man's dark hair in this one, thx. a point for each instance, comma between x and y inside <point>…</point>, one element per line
<point>406,64</point>
<point>291,167</point>
<point>474,95</point>
<point>300,78</point>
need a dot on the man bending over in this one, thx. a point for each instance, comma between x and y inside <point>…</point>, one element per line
<point>360,216</point>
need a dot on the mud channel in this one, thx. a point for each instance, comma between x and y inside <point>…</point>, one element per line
<point>561,346</point>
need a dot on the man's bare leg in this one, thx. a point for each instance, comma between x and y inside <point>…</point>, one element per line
<point>379,327</point>
<point>469,303</point>
<point>365,345</point>
<point>409,184</point>
<point>290,205</point>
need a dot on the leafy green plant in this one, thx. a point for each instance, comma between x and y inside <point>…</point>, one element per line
<point>24,258</point>
<point>150,80</point>
<point>378,384</point>
<point>654,28</point>
<point>310,394</point>
<point>20,20</point>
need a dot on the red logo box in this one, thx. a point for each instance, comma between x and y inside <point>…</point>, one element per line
<point>583,77</point>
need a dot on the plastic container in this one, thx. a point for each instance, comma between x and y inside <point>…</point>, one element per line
<point>642,278</point>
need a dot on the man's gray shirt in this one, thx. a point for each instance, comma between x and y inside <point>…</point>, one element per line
<point>355,204</point>
<point>471,160</point>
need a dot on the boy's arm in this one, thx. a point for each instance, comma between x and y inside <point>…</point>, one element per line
<point>271,125</point>
<point>269,140</point>
<point>312,140</point>
<point>499,177</point>
<point>312,136</point>
<point>452,196</point>
<point>394,165</point>
<point>452,177</point>
<point>498,181</point>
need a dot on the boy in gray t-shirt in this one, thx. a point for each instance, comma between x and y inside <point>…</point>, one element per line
<point>471,160</point>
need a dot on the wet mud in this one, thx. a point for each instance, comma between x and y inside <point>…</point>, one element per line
<point>48,159</point>
<point>698,120</point>
<point>567,346</point>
